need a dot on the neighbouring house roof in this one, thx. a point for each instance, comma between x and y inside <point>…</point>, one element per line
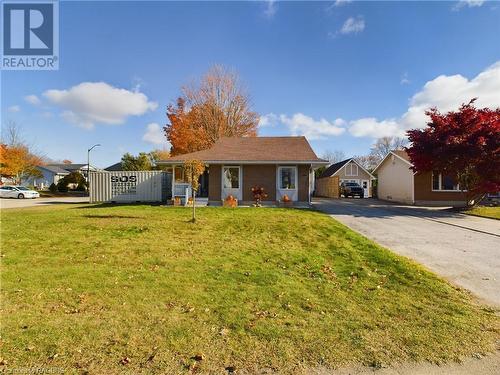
<point>65,168</point>
<point>70,167</point>
<point>114,167</point>
<point>334,168</point>
<point>401,154</point>
<point>253,150</point>
<point>54,169</point>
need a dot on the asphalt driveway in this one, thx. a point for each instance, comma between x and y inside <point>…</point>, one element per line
<point>18,203</point>
<point>464,249</point>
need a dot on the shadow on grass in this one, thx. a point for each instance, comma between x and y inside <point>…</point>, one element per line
<point>112,217</point>
<point>50,203</point>
<point>109,205</point>
<point>373,208</point>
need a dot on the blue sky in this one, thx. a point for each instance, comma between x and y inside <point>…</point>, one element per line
<point>341,74</point>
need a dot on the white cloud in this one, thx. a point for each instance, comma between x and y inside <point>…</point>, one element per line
<point>341,2</point>
<point>404,79</point>
<point>353,25</point>
<point>268,120</point>
<point>271,9</point>
<point>337,3</point>
<point>154,134</point>
<point>89,103</point>
<point>14,108</point>
<point>137,83</point>
<point>370,127</point>
<point>32,99</point>
<point>300,124</point>
<point>467,3</point>
<point>446,93</point>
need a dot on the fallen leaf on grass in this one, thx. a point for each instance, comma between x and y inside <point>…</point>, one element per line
<point>125,361</point>
<point>198,357</point>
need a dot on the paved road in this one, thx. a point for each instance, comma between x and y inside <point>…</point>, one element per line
<point>17,203</point>
<point>464,249</point>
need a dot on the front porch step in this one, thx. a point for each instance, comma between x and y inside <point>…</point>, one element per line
<point>199,202</point>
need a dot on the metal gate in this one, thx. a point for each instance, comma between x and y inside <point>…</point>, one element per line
<point>130,186</point>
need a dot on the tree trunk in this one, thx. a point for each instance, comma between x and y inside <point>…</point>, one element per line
<point>193,194</point>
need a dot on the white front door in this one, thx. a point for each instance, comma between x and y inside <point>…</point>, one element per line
<point>287,183</point>
<point>366,187</point>
<point>231,182</point>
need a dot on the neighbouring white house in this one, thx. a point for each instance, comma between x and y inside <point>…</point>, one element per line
<point>350,170</point>
<point>52,173</point>
<point>399,183</point>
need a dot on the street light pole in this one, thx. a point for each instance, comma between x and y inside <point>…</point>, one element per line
<point>88,167</point>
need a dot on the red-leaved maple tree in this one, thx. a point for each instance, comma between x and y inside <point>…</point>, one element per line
<point>463,143</point>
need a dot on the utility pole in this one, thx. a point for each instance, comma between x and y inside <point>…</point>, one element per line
<point>88,167</point>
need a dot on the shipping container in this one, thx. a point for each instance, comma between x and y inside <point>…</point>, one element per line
<point>130,186</point>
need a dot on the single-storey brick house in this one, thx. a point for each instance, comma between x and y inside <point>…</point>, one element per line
<point>281,165</point>
<point>397,182</point>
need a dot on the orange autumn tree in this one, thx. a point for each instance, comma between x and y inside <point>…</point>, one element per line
<point>217,106</point>
<point>17,162</point>
<point>184,133</point>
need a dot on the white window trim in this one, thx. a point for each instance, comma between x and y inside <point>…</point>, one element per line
<point>296,177</point>
<point>355,180</point>
<point>349,167</point>
<point>239,176</point>
<point>458,190</point>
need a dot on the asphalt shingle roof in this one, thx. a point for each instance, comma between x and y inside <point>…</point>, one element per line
<point>330,171</point>
<point>402,153</point>
<point>54,169</point>
<point>253,149</point>
<point>69,167</point>
<point>114,167</point>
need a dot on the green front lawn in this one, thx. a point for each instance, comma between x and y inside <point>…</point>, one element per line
<point>139,288</point>
<point>490,212</point>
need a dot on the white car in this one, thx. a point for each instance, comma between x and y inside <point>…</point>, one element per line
<point>19,192</point>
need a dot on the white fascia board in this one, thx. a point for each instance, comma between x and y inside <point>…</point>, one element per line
<point>359,166</point>
<point>284,162</point>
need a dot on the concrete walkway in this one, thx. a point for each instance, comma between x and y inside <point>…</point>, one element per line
<point>462,248</point>
<point>489,365</point>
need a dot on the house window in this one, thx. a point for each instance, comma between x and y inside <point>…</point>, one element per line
<point>179,175</point>
<point>351,169</point>
<point>287,178</point>
<point>435,181</point>
<point>231,177</point>
<point>442,182</point>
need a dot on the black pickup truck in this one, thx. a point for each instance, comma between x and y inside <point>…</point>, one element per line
<point>351,189</point>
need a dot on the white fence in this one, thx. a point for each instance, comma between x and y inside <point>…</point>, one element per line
<point>129,186</point>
